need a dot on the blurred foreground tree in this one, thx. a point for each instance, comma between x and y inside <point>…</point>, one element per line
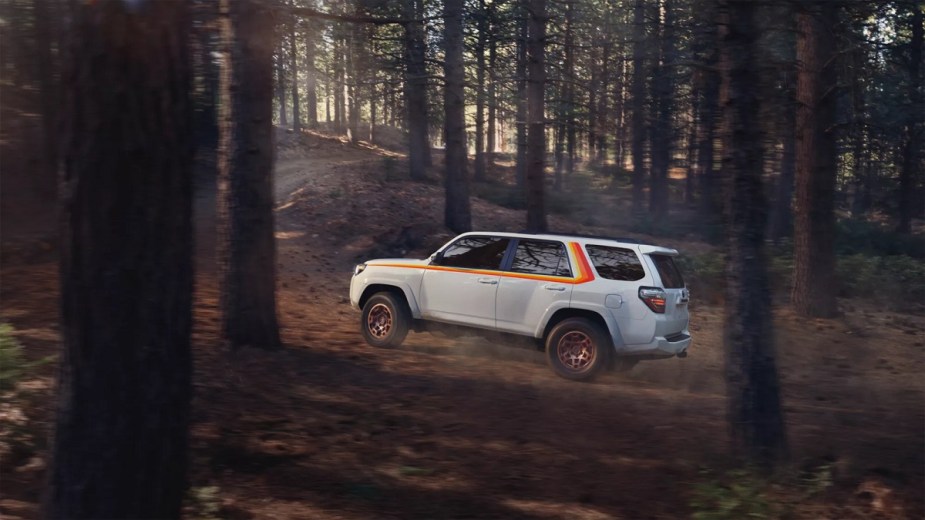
<point>120,444</point>
<point>247,246</point>
<point>754,409</point>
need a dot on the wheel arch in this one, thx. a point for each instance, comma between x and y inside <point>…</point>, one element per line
<point>571,312</point>
<point>396,290</point>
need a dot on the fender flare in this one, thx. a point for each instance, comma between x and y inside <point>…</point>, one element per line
<point>613,328</point>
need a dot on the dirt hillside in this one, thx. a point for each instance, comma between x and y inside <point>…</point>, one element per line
<point>330,428</point>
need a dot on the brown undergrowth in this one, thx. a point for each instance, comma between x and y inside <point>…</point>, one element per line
<point>331,428</point>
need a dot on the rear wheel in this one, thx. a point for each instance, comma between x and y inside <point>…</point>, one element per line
<point>577,349</point>
<point>385,320</point>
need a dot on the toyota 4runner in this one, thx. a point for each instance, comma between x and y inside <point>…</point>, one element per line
<point>590,302</point>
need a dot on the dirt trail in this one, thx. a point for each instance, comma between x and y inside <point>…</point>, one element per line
<point>331,428</point>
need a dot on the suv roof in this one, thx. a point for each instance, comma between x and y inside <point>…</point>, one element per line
<point>597,237</point>
<point>642,246</point>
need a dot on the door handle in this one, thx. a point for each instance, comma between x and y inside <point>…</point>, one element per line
<point>554,287</point>
<point>488,281</point>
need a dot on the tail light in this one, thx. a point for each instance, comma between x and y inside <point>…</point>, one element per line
<point>654,298</point>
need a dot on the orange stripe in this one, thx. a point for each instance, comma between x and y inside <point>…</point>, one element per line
<point>584,270</point>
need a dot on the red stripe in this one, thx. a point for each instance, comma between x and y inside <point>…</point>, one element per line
<point>585,274</point>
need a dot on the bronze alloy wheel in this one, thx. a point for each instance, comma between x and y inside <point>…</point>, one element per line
<point>576,351</point>
<point>379,321</point>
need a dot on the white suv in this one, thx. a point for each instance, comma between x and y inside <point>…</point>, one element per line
<point>591,302</point>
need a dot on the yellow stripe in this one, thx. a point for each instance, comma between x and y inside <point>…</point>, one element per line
<point>579,260</point>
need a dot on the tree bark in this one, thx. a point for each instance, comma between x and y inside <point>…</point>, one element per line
<point>247,247</point>
<point>602,106</point>
<point>662,134</point>
<point>294,68</point>
<point>415,90</point>
<point>638,95</point>
<point>536,138</point>
<point>782,215</point>
<point>354,66</point>
<point>569,90</point>
<point>754,409</point>
<point>281,88</point>
<point>814,283</point>
<point>458,215</point>
<point>491,146</point>
<point>311,77</point>
<point>521,101</point>
<point>912,147</point>
<point>340,80</point>
<point>479,170</point>
<point>120,445</point>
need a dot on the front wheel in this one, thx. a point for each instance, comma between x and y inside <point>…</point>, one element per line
<point>577,349</point>
<point>385,320</point>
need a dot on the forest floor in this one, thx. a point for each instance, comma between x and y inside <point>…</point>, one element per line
<point>330,428</point>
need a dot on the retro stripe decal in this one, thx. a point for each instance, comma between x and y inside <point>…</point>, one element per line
<point>579,261</point>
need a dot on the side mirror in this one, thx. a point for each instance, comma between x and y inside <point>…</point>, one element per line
<point>436,258</point>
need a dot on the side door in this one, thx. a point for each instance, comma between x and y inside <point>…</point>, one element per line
<point>461,288</point>
<point>539,276</point>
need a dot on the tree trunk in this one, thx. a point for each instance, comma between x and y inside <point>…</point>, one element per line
<point>912,147</point>
<point>293,63</point>
<point>311,77</point>
<point>458,215</point>
<point>754,409</point>
<point>120,445</point>
<point>415,89</point>
<point>247,248</point>
<point>281,88</point>
<point>662,135</point>
<point>814,283</point>
<point>710,200</point>
<point>491,146</point>
<point>782,215</point>
<point>559,136</point>
<point>569,90</point>
<point>536,138</point>
<point>521,101</point>
<point>340,80</point>
<point>354,66</point>
<point>639,102</point>
<point>602,108</point>
<point>479,170</point>
<point>620,112</point>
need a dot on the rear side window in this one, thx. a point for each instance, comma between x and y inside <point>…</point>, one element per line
<point>668,272</point>
<point>616,263</point>
<point>476,253</point>
<point>541,257</point>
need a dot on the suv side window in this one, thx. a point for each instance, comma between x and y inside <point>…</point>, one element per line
<point>541,257</point>
<point>616,263</point>
<point>476,253</point>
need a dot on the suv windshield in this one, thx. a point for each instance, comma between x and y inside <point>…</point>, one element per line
<point>668,272</point>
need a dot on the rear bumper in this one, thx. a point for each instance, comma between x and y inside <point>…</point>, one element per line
<point>660,347</point>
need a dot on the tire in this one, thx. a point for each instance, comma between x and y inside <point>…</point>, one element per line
<point>577,349</point>
<point>385,320</point>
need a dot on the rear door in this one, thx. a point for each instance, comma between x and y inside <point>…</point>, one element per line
<point>677,295</point>
<point>538,277</point>
<point>462,288</point>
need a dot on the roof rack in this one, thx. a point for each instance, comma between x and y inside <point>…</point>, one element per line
<point>598,237</point>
